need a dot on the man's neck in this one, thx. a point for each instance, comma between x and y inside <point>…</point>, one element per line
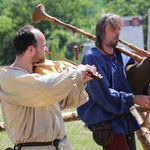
<point>107,51</point>
<point>20,63</point>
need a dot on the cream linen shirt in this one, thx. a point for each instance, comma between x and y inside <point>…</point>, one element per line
<point>30,104</point>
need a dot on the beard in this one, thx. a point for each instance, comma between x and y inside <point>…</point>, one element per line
<point>114,42</point>
<point>112,45</point>
<point>38,58</point>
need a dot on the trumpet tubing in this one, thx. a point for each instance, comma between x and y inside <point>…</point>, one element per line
<point>141,51</point>
<point>128,53</point>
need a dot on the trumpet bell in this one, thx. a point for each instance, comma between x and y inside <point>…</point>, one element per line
<point>38,13</point>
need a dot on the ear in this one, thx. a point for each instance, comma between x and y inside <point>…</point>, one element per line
<point>31,50</point>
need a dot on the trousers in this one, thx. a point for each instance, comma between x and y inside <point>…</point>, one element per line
<point>122,142</point>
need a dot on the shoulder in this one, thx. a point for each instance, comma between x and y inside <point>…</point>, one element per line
<point>93,52</point>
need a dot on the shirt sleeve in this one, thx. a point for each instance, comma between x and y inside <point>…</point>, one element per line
<point>34,90</point>
<point>76,98</point>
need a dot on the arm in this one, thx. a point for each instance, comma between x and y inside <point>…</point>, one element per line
<point>37,90</point>
<point>77,97</point>
<point>102,92</point>
<point>41,90</point>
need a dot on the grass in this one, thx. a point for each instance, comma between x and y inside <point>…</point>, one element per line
<point>80,137</point>
<point>78,134</point>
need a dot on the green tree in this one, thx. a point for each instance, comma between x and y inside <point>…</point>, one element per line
<point>80,14</point>
<point>17,13</point>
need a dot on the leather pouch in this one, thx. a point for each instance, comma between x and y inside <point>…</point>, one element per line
<point>103,135</point>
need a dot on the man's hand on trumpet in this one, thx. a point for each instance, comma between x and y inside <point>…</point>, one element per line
<point>87,71</point>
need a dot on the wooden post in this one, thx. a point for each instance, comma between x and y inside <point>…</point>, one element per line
<point>143,134</point>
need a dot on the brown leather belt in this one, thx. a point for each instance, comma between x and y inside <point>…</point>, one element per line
<point>30,144</point>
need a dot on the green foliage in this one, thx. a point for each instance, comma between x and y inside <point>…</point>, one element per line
<point>80,14</point>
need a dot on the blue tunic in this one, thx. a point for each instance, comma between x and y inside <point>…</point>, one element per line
<point>110,97</point>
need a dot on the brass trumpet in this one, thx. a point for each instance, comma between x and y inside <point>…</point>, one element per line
<point>140,51</point>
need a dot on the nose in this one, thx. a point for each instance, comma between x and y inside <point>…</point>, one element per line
<point>117,31</point>
<point>46,49</point>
